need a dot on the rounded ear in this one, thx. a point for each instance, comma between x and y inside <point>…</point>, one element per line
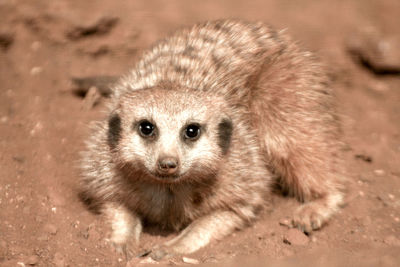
<point>114,130</point>
<point>225,129</point>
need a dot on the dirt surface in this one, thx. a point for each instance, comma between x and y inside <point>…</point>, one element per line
<point>42,127</point>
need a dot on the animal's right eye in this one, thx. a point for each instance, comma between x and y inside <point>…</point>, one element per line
<point>146,129</point>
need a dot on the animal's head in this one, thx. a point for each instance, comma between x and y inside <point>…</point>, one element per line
<point>170,135</point>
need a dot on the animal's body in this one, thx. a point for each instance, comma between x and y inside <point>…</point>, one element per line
<point>202,125</point>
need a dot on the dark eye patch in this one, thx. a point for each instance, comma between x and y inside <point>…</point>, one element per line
<point>114,130</point>
<point>225,128</point>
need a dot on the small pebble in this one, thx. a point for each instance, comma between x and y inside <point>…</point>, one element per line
<point>32,260</point>
<point>374,50</point>
<point>36,70</point>
<point>286,222</point>
<point>295,237</point>
<point>37,128</point>
<point>379,86</point>
<point>4,119</point>
<point>190,260</point>
<point>35,46</point>
<point>51,229</point>
<point>148,260</point>
<point>379,172</point>
<point>43,238</point>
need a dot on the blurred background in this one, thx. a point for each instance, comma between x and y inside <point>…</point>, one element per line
<point>45,44</point>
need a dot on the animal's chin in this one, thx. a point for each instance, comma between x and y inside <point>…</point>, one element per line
<point>166,178</point>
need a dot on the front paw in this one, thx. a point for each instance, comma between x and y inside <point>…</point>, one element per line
<point>158,253</point>
<point>124,250</point>
<point>120,249</point>
<point>309,217</point>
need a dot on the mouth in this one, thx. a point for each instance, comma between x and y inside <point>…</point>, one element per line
<point>166,178</point>
<point>135,170</point>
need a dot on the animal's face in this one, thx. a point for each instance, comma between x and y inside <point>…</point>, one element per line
<point>170,135</point>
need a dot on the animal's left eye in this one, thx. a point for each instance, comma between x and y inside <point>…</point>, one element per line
<point>192,132</point>
<point>146,128</point>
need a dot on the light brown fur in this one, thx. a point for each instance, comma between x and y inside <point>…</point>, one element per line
<point>279,105</point>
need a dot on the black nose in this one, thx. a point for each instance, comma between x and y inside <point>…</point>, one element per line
<point>168,165</point>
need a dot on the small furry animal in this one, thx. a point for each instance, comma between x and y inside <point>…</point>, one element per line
<point>198,133</point>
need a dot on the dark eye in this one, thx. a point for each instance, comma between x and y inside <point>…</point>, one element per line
<point>192,131</point>
<point>146,128</point>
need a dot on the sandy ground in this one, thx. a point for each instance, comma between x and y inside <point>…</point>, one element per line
<point>42,127</point>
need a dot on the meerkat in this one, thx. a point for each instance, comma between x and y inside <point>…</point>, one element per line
<point>209,120</point>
